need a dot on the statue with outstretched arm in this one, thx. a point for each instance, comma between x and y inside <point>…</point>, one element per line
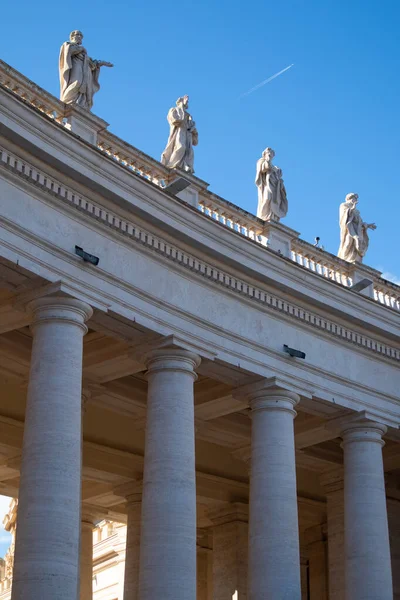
<point>354,240</point>
<point>79,74</point>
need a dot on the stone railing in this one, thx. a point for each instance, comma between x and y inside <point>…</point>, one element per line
<point>225,213</point>
<point>323,263</point>
<point>31,93</point>
<point>232,216</point>
<point>387,293</point>
<point>133,159</point>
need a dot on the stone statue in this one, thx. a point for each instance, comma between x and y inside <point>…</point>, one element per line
<point>272,200</point>
<point>353,231</point>
<point>79,74</point>
<point>183,135</point>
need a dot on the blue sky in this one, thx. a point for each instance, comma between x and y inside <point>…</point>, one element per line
<point>5,536</point>
<point>333,119</point>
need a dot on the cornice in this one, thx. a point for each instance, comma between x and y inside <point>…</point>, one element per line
<point>182,259</point>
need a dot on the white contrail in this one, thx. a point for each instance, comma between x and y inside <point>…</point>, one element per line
<point>266,81</point>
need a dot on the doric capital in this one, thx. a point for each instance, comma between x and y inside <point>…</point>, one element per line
<point>92,514</point>
<point>230,513</point>
<point>170,346</point>
<point>359,427</point>
<point>59,289</point>
<point>130,491</point>
<point>268,394</point>
<point>59,309</point>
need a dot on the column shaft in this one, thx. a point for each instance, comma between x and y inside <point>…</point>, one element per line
<point>368,573</point>
<point>333,484</point>
<point>274,554</point>
<point>317,571</point>
<point>86,571</point>
<point>132,554</point>
<point>168,533</point>
<point>394,537</point>
<point>230,549</point>
<point>47,541</point>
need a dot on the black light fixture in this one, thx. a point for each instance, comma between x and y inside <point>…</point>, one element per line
<point>94,260</point>
<point>293,352</point>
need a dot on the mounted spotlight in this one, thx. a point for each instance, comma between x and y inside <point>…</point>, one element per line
<point>94,260</point>
<point>293,352</point>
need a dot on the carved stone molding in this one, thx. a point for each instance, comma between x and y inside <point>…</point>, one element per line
<point>214,275</point>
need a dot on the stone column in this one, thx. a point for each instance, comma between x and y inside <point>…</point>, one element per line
<point>47,541</point>
<point>168,533</point>
<point>393,506</point>
<point>132,554</point>
<point>230,552</point>
<point>315,538</point>
<point>86,566</point>
<point>274,553</point>
<point>304,576</point>
<point>368,571</point>
<point>333,485</point>
<point>204,566</point>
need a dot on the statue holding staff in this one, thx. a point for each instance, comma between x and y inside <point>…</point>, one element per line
<point>178,153</point>
<point>79,74</point>
<point>354,238</point>
<point>272,199</point>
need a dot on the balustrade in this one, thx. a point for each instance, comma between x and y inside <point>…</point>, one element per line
<point>31,93</point>
<point>225,213</point>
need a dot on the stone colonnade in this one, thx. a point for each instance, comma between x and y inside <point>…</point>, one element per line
<point>47,554</point>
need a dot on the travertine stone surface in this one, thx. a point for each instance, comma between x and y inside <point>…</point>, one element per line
<point>230,552</point>
<point>317,571</point>
<point>86,568</point>
<point>47,541</point>
<point>272,199</point>
<point>274,554</point>
<point>204,574</point>
<point>354,238</point>
<point>132,555</point>
<point>393,507</point>
<point>168,534</point>
<point>368,573</point>
<point>333,484</point>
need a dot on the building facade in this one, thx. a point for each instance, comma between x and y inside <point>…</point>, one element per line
<point>170,361</point>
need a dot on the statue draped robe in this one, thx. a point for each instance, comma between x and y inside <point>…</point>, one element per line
<point>354,238</point>
<point>272,199</point>
<point>79,76</point>
<point>183,136</point>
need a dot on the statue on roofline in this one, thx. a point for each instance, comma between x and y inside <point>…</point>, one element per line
<point>79,74</point>
<point>178,153</point>
<point>354,238</point>
<point>272,199</point>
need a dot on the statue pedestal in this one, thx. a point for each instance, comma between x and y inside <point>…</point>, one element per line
<point>185,186</point>
<point>84,123</point>
<point>363,278</point>
<point>280,237</point>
